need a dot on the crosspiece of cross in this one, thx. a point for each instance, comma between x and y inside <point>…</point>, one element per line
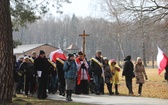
<point>84,40</point>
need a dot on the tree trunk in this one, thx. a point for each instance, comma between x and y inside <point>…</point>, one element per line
<point>144,54</point>
<point>6,53</point>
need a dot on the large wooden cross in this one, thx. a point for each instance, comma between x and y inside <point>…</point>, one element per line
<point>84,40</point>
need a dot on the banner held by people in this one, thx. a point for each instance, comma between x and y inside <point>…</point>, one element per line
<point>57,54</point>
<point>162,60</point>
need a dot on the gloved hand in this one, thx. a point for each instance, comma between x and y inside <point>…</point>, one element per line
<point>146,78</point>
<point>83,66</point>
<point>137,79</point>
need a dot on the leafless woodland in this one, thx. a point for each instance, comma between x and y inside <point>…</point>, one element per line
<point>130,28</point>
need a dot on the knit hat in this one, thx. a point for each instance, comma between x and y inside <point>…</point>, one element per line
<point>138,58</point>
<point>127,58</point>
<point>70,55</point>
<point>41,52</point>
<point>80,53</point>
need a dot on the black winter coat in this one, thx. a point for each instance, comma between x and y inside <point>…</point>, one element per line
<point>42,64</point>
<point>15,71</point>
<point>95,68</point>
<point>128,69</point>
<point>27,68</point>
<point>60,70</point>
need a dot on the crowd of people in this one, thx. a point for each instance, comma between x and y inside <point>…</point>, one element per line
<point>76,75</point>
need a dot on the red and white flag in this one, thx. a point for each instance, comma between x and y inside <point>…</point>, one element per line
<point>57,54</point>
<point>162,60</point>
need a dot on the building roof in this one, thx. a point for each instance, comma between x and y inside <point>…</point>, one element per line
<point>25,48</point>
<point>72,47</point>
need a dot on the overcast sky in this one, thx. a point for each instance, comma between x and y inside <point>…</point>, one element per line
<point>81,8</point>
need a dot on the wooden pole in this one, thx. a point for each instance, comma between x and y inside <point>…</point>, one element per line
<point>84,40</point>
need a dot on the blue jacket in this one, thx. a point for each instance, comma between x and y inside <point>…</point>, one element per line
<point>70,69</point>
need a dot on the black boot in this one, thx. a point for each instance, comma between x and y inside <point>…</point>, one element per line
<point>116,89</point>
<point>67,95</point>
<point>109,86</point>
<point>140,89</point>
<point>70,95</point>
<point>60,92</point>
<point>111,89</point>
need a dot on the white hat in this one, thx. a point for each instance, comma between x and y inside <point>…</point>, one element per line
<point>105,58</point>
<point>138,58</point>
<point>26,57</point>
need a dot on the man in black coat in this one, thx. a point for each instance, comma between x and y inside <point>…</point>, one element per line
<point>128,73</point>
<point>96,68</point>
<point>26,68</point>
<point>41,66</point>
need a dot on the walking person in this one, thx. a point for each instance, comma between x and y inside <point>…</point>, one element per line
<point>26,68</point>
<point>115,69</point>
<point>20,77</point>
<point>41,66</point>
<point>83,78</point>
<point>97,68</point>
<point>139,74</point>
<point>52,88</point>
<point>61,79</point>
<point>128,73</point>
<point>70,69</point>
<point>33,84</point>
<point>15,75</point>
<point>108,75</point>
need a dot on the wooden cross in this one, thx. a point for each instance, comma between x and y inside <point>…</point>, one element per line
<point>84,40</point>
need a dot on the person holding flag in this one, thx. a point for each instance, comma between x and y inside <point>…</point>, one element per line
<point>59,58</point>
<point>61,79</point>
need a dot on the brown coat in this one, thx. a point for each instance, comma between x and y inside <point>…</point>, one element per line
<point>140,73</point>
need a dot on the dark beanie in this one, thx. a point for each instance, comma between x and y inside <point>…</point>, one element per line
<point>127,58</point>
<point>80,53</point>
<point>70,55</point>
<point>41,52</point>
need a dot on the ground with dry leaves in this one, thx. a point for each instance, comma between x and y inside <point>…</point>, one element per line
<point>154,87</point>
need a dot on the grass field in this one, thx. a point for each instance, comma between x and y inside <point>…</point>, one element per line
<point>155,86</point>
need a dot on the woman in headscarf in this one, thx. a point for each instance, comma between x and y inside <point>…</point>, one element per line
<point>115,70</point>
<point>139,74</point>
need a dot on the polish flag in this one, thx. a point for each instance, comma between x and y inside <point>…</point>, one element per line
<point>57,54</point>
<point>162,60</point>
